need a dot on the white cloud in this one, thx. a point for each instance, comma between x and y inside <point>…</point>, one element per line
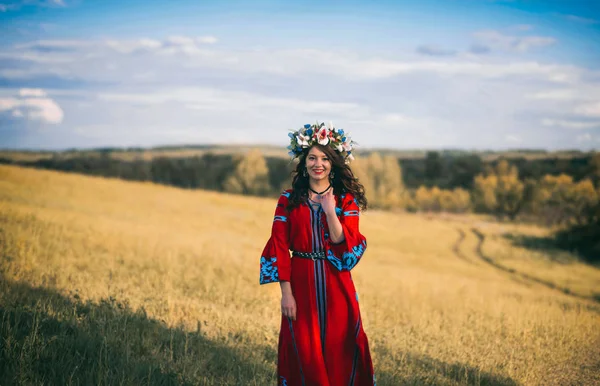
<point>579,19</point>
<point>496,40</point>
<point>81,58</point>
<point>32,92</point>
<point>396,119</point>
<point>570,124</point>
<point>55,51</point>
<point>56,44</point>
<point>589,109</point>
<point>18,4</point>
<point>180,40</point>
<point>34,105</point>
<point>207,99</point>
<point>435,50</point>
<point>513,138</point>
<point>171,89</point>
<point>586,137</point>
<point>206,39</point>
<point>129,46</point>
<point>556,95</point>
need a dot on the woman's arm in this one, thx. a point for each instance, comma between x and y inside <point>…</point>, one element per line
<point>336,232</point>
<point>345,252</point>
<point>275,262</point>
<point>288,303</point>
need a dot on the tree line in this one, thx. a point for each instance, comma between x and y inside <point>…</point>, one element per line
<point>564,192</point>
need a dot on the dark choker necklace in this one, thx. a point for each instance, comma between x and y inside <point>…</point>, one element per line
<point>319,193</point>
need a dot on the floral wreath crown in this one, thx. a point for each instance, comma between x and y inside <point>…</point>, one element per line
<point>310,135</point>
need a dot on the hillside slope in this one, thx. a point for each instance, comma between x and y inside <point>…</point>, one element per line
<point>106,281</point>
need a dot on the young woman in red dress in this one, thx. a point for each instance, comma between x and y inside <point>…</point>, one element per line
<point>321,340</point>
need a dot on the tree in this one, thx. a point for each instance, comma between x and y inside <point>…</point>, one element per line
<point>559,200</point>
<point>424,199</point>
<point>433,166</point>
<point>463,170</point>
<point>500,191</point>
<point>382,179</point>
<point>585,200</point>
<point>595,163</point>
<point>459,201</point>
<point>509,191</point>
<point>375,169</point>
<point>484,193</point>
<point>250,176</point>
<point>437,200</point>
<point>361,170</point>
<point>392,188</point>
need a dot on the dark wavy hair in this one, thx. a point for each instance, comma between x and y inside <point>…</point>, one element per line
<point>344,180</point>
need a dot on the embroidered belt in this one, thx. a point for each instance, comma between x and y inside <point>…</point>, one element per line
<point>310,255</point>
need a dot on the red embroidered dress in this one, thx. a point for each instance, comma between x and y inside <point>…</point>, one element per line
<point>326,344</point>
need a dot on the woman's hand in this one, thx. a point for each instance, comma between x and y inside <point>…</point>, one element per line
<point>328,202</point>
<point>288,305</point>
<point>336,231</point>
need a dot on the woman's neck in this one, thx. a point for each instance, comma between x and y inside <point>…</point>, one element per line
<point>319,185</point>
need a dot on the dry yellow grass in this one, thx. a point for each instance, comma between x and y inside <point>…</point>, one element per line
<point>147,283</point>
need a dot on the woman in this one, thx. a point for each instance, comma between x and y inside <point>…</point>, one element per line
<point>321,341</point>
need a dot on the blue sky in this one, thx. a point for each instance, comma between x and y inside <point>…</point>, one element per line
<point>470,74</point>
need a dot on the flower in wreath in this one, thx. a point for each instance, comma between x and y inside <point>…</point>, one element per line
<point>302,140</point>
<point>325,135</point>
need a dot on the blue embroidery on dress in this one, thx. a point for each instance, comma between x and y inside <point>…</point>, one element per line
<point>356,293</point>
<point>280,218</point>
<point>286,194</point>
<point>349,259</point>
<point>338,211</point>
<point>268,271</point>
<point>351,213</point>
<point>334,260</point>
<point>283,381</point>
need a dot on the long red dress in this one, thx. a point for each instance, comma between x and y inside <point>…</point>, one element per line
<point>326,344</point>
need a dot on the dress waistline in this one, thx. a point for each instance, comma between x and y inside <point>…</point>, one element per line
<point>310,255</point>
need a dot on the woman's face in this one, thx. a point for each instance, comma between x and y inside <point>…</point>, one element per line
<point>318,164</point>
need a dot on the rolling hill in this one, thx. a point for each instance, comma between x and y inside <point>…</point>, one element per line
<point>105,281</point>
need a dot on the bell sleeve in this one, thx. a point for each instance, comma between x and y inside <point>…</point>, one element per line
<point>346,254</point>
<point>275,260</point>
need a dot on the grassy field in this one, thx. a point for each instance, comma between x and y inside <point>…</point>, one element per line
<point>112,282</point>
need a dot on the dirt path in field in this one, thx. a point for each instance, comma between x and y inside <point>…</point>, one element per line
<point>456,247</point>
<point>522,276</point>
